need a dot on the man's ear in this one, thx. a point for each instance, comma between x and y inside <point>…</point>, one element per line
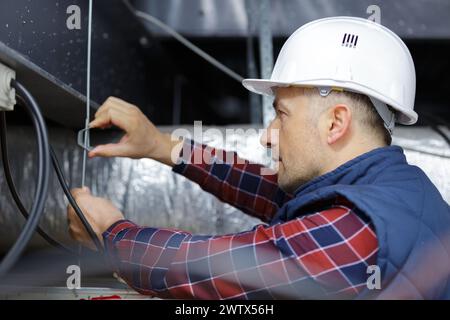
<point>339,119</point>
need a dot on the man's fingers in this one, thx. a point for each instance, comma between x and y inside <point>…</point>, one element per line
<point>80,191</point>
<point>110,150</point>
<point>75,235</point>
<point>72,217</point>
<point>113,102</point>
<point>109,107</point>
<point>72,234</point>
<point>110,117</point>
<point>100,123</point>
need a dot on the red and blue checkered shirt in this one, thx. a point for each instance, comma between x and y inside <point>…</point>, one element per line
<point>324,254</point>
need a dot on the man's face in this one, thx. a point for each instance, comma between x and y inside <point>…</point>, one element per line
<point>294,133</point>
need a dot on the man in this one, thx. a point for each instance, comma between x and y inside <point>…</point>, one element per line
<point>344,201</point>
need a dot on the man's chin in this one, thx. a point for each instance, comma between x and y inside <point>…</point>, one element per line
<point>287,186</point>
<point>290,186</point>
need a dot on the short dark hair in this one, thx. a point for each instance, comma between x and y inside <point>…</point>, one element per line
<point>373,119</point>
<point>363,108</point>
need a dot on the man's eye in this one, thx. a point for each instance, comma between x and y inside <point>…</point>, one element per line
<point>282,114</point>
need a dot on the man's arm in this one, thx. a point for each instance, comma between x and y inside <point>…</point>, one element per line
<point>232,179</point>
<point>331,248</point>
<point>236,182</point>
<point>322,255</point>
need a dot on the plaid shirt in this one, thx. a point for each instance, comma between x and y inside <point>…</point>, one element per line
<point>324,254</point>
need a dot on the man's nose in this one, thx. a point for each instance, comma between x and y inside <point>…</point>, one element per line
<point>269,138</point>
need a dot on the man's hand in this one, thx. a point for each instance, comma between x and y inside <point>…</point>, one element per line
<point>100,213</point>
<point>141,140</point>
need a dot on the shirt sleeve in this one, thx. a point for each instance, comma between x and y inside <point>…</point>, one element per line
<point>322,255</point>
<point>232,179</point>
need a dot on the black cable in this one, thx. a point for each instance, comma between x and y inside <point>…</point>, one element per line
<point>44,150</point>
<point>73,203</point>
<point>12,186</point>
<point>42,181</point>
<point>23,93</point>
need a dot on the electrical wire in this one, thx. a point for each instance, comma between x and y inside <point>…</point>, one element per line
<point>155,21</point>
<point>41,192</point>
<point>73,203</point>
<point>66,189</point>
<point>30,103</point>
<point>12,186</point>
<point>62,181</point>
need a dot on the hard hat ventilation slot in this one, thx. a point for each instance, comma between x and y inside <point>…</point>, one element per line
<point>350,40</point>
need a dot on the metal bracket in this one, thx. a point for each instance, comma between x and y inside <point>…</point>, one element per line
<point>325,91</point>
<point>83,136</point>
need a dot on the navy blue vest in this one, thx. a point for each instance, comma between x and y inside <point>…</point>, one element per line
<point>411,220</point>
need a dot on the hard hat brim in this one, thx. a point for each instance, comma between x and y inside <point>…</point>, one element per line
<point>266,88</point>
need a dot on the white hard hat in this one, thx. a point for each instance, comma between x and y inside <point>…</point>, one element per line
<point>352,54</point>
